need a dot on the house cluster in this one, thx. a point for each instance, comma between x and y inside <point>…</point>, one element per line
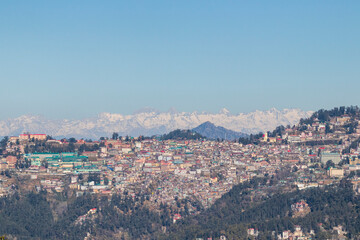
<point>88,216</point>
<point>336,232</point>
<point>297,234</point>
<point>300,209</point>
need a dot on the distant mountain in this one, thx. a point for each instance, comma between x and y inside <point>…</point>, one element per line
<point>211,131</point>
<point>151,122</point>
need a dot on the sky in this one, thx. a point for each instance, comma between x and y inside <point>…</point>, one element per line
<point>75,59</point>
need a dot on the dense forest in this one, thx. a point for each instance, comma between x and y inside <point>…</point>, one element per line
<point>33,216</point>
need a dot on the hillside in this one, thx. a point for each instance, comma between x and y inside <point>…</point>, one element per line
<point>122,217</point>
<point>234,213</point>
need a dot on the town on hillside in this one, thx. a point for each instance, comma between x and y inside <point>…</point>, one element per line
<point>317,152</point>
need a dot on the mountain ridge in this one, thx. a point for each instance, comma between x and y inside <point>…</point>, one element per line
<point>150,123</point>
<point>211,131</point>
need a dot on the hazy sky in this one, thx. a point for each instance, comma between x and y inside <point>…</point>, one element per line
<point>74,59</point>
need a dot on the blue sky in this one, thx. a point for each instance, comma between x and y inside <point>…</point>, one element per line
<point>75,59</point>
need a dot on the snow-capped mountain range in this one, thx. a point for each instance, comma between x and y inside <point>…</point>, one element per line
<point>149,123</point>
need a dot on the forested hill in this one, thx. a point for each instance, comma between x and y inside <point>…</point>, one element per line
<point>231,216</point>
<point>182,135</point>
<point>323,115</point>
<point>34,216</point>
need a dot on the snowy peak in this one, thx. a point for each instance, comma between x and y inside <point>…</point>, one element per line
<point>224,111</point>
